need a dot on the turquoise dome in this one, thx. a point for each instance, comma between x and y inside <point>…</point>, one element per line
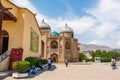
<point>54,33</point>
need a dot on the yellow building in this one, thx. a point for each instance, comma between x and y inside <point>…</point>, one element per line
<point>19,29</point>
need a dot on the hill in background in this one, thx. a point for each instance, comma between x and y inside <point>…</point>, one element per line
<point>92,47</point>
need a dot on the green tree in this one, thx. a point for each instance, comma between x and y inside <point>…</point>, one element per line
<point>106,56</point>
<point>82,57</point>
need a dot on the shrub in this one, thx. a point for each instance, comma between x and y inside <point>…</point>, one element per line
<point>88,60</point>
<point>106,59</point>
<point>43,61</point>
<point>20,66</point>
<point>33,60</point>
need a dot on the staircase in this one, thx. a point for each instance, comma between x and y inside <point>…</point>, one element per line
<point>4,61</point>
<point>5,74</point>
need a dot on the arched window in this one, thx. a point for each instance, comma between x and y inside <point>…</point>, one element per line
<point>54,44</point>
<point>42,49</point>
<point>67,45</point>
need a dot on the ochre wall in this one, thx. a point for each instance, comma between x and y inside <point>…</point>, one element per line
<point>15,31</point>
<point>30,22</point>
<point>19,32</point>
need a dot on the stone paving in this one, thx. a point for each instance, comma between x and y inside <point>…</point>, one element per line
<point>95,71</point>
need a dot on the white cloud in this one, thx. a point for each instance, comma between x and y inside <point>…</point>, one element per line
<point>78,24</point>
<point>31,7</point>
<point>93,42</point>
<point>25,4</point>
<point>107,15</point>
<point>118,43</point>
<point>105,20</point>
<point>105,28</point>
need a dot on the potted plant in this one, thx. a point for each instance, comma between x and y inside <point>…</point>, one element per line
<point>19,67</point>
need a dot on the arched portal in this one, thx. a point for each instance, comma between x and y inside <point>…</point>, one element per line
<point>54,44</point>
<point>67,45</point>
<point>54,58</point>
<point>42,49</point>
<point>4,39</point>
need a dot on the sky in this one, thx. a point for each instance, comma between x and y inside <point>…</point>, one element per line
<point>93,21</point>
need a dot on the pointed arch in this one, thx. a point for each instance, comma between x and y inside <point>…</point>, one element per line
<point>67,45</point>
<point>54,44</point>
<point>42,48</point>
<point>54,57</point>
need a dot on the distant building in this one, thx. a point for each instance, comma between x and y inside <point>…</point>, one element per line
<point>79,48</point>
<point>59,46</point>
<point>88,54</point>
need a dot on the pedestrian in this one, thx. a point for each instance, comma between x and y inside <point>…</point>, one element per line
<point>34,70</point>
<point>66,62</point>
<point>49,63</point>
<point>39,64</point>
<point>113,63</point>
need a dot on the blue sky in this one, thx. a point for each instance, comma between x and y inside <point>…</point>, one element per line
<point>56,8</point>
<point>93,21</point>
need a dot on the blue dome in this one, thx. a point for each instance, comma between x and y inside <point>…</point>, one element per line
<point>54,33</point>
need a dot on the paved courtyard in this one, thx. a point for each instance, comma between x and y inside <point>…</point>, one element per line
<point>95,71</point>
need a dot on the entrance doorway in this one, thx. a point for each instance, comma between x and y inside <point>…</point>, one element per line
<point>54,58</point>
<point>4,39</point>
<point>42,48</point>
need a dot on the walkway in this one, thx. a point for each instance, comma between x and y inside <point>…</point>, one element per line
<point>95,71</point>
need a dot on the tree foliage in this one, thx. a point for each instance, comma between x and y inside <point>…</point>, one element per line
<point>82,57</point>
<point>106,56</point>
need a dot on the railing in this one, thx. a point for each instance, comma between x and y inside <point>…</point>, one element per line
<point>4,55</point>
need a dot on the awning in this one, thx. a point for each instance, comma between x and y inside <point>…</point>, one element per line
<point>7,15</point>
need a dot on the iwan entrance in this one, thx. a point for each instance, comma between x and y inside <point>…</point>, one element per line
<point>4,39</point>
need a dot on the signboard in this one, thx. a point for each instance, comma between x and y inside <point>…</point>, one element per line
<point>98,59</point>
<point>34,41</point>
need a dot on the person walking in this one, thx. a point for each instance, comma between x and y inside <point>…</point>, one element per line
<point>113,63</point>
<point>66,62</point>
<point>49,63</point>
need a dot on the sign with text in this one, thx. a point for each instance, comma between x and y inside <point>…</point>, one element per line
<point>34,41</point>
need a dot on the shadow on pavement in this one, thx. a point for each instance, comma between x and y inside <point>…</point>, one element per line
<point>45,68</point>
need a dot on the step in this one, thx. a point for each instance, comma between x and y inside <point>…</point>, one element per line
<point>4,74</point>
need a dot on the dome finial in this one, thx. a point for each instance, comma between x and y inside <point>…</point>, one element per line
<point>43,21</point>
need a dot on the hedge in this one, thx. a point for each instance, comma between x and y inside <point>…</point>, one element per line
<point>20,66</point>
